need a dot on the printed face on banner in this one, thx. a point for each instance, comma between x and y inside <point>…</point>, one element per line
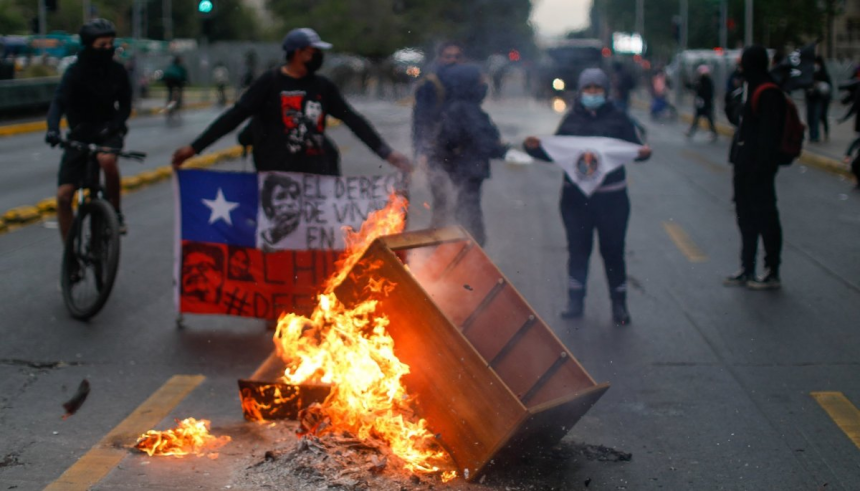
<point>202,273</point>
<point>281,200</point>
<point>307,211</point>
<point>239,268</point>
<point>588,164</point>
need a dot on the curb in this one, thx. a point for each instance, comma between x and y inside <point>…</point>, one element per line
<point>36,126</point>
<point>21,216</point>
<point>812,159</point>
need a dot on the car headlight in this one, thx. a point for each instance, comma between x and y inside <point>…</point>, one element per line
<point>558,84</point>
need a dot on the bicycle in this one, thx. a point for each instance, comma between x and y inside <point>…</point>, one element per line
<point>91,252</point>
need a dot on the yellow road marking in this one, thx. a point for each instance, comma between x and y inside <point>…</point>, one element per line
<point>108,452</point>
<point>842,412</point>
<point>684,243</point>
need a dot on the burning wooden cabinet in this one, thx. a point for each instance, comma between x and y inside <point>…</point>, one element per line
<point>488,373</point>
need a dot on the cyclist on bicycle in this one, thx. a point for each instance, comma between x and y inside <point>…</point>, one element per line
<point>175,77</point>
<point>288,106</point>
<point>95,97</point>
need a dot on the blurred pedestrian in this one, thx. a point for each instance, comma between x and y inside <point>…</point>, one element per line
<point>623,84</point>
<point>466,141</point>
<point>429,98</point>
<point>288,106</point>
<point>660,95</point>
<point>221,78</point>
<point>704,101</point>
<point>818,101</point>
<point>756,161</point>
<point>852,157</point>
<point>608,209</point>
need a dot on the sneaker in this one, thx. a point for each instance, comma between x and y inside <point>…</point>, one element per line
<point>741,278</point>
<point>769,281</point>
<point>575,308</point>
<point>123,229</point>
<point>620,315</point>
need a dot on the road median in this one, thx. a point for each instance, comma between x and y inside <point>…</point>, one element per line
<point>37,126</point>
<point>19,216</point>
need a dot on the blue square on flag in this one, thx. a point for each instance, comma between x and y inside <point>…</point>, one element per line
<point>219,207</point>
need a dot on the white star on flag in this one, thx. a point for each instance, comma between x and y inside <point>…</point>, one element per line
<point>221,208</point>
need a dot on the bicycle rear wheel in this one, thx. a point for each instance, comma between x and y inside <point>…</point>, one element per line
<point>90,259</point>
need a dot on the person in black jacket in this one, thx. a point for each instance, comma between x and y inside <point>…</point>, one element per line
<point>429,97</point>
<point>818,101</point>
<point>465,142</point>
<point>289,105</point>
<point>95,97</point>
<point>608,209</point>
<point>704,102</point>
<point>755,166</point>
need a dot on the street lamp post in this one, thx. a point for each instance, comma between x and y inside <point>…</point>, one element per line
<point>167,15</point>
<point>640,18</point>
<point>748,21</point>
<point>685,19</point>
<point>43,18</point>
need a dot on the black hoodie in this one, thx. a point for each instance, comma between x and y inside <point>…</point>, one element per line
<point>95,97</point>
<point>760,132</point>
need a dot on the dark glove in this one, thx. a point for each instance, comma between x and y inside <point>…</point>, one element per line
<point>52,138</point>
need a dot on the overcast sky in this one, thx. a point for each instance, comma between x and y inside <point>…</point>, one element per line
<point>552,17</point>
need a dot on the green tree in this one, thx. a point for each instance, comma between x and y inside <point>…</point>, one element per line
<point>12,20</point>
<point>778,23</point>
<point>377,28</point>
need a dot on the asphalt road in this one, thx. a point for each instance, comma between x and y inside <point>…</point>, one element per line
<point>710,385</point>
<point>30,166</point>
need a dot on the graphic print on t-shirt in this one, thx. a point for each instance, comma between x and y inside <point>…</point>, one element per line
<point>303,122</point>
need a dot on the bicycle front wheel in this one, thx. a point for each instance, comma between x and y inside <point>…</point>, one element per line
<point>90,259</point>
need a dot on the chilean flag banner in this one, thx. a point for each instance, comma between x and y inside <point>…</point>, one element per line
<point>259,244</point>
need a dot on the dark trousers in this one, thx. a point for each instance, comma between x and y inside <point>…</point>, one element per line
<point>814,109</point>
<point>757,215</point>
<point>608,213</point>
<point>709,115</point>
<point>468,212</point>
<point>463,206</point>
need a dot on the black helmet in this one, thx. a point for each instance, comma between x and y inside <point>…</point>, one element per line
<point>96,28</point>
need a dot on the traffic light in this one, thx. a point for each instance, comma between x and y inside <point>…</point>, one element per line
<point>51,5</point>
<point>205,7</point>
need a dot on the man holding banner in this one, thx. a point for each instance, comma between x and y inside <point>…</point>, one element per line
<point>289,105</point>
<point>592,144</point>
<point>260,244</point>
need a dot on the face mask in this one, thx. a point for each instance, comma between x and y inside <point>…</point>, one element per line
<point>315,63</point>
<point>592,101</point>
<point>96,56</point>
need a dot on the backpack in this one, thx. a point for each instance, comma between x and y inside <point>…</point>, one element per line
<point>791,143</point>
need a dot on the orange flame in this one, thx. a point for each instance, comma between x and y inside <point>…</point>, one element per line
<point>350,349</point>
<point>190,437</point>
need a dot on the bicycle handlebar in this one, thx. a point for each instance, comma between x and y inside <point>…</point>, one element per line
<point>93,148</point>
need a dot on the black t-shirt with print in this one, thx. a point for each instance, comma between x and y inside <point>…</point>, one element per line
<point>289,122</point>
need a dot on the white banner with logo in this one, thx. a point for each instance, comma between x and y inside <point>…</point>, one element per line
<point>588,159</point>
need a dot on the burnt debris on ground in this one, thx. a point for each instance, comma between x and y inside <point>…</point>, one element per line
<point>339,461</point>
